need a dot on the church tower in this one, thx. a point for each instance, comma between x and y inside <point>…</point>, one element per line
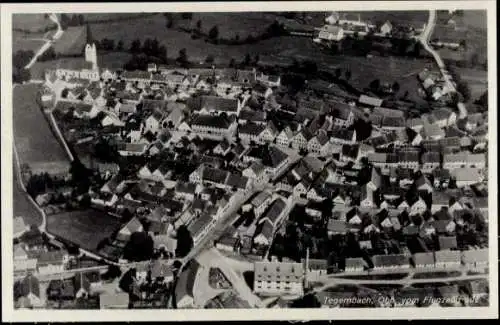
<point>91,55</point>
<point>90,49</point>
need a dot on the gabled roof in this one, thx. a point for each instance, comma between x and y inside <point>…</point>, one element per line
<point>274,211</point>
<point>132,226</point>
<point>219,122</point>
<point>30,285</point>
<point>389,260</point>
<point>214,103</point>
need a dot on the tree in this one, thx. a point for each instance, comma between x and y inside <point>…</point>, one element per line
<point>256,59</point>
<point>135,47</point>
<point>375,85</point>
<point>140,247</point>
<point>464,89</point>
<point>184,242</point>
<point>338,73</point>
<point>483,100</point>
<point>347,74</point>
<point>395,87</point>
<point>21,75</point>
<point>162,54</point>
<point>246,60</point>
<point>214,33</point>
<point>119,46</point>
<point>64,21</point>
<point>170,22</point>
<point>182,58</point>
<point>49,54</point>
<point>209,59</point>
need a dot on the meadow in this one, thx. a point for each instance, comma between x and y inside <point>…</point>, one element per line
<point>35,142</point>
<point>84,228</point>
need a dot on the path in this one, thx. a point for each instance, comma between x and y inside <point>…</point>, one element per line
<point>424,38</point>
<point>48,44</point>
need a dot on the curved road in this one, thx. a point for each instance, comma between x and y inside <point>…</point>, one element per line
<point>424,38</point>
<point>49,43</point>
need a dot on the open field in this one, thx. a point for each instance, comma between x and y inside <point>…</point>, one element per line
<point>415,18</point>
<point>72,41</point>
<point>471,28</point>
<point>230,24</point>
<point>476,79</point>
<point>83,228</point>
<point>27,41</point>
<point>34,139</point>
<point>31,22</point>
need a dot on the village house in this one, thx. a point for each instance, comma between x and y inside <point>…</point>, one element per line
<point>275,278</point>
<point>29,291</point>
<point>467,176</point>
<point>51,261</point>
<point>301,139</point>
<point>261,202</point>
<point>430,161</point>
<point>258,133</point>
<point>134,225</point>
<point>228,243</point>
<point>390,261</point>
<point>424,260</point>
<point>319,144</point>
<point>475,258</point>
<point>315,267</point>
<point>386,28</point>
<point>213,105</point>
<point>447,258</point>
<point>354,264</point>
<point>269,80</point>
<point>200,227</point>
<point>463,160</point>
<point>213,125</point>
<point>330,33</point>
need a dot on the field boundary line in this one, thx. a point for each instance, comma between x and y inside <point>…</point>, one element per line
<point>60,136</point>
<point>43,226</point>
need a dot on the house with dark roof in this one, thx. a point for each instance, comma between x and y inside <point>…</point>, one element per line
<point>258,133</point>
<point>216,125</point>
<point>201,226</point>
<point>29,291</point>
<point>390,261</point>
<point>217,105</point>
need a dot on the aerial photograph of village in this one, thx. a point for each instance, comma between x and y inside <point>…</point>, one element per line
<point>212,160</point>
